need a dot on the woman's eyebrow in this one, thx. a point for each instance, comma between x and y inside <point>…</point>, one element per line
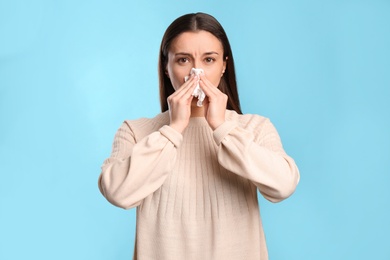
<point>211,53</point>
<point>182,53</point>
<point>188,54</point>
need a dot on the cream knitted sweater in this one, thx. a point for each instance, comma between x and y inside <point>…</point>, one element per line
<point>196,192</point>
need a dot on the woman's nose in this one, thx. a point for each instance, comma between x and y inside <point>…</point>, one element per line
<point>196,63</point>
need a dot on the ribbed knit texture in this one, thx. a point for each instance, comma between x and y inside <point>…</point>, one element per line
<point>196,193</point>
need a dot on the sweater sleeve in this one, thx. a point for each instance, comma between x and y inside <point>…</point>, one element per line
<point>261,160</point>
<point>136,169</point>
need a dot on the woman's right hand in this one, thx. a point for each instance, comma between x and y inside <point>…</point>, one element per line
<point>179,104</point>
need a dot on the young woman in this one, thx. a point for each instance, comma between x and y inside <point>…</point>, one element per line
<point>193,171</point>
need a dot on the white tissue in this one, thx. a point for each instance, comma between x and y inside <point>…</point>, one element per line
<point>198,92</point>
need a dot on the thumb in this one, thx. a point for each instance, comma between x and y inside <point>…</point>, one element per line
<point>206,106</point>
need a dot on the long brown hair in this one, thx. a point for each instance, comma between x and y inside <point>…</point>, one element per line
<point>192,23</point>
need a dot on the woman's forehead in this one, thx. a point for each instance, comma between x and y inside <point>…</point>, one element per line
<point>199,40</point>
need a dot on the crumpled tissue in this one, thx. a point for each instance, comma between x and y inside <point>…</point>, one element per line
<point>198,92</point>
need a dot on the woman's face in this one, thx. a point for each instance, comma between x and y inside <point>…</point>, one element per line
<point>198,49</point>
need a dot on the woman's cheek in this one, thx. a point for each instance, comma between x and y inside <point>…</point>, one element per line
<point>215,80</point>
<point>177,81</point>
<point>213,76</point>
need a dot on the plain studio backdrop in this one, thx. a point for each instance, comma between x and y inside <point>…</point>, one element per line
<point>72,71</point>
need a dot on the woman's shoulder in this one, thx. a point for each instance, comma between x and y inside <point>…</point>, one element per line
<point>247,120</point>
<point>159,119</point>
<point>145,125</point>
<point>258,125</point>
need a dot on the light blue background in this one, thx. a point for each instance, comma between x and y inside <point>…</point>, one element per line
<point>72,71</point>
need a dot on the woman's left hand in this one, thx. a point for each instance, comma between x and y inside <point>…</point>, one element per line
<point>214,103</point>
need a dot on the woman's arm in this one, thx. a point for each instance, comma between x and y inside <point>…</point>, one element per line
<point>137,169</point>
<point>263,161</point>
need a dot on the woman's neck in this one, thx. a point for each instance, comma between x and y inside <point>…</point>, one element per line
<point>195,110</point>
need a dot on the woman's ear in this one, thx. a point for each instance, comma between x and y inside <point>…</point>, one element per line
<point>224,63</point>
<point>224,66</point>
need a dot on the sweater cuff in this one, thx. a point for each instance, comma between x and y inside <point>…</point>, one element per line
<point>172,135</point>
<point>223,130</point>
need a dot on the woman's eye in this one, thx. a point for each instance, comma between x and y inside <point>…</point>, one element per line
<point>183,60</point>
<point>209,60</point>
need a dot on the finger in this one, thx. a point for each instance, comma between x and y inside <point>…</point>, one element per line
<point>185,96</point>
<point>183,88</point>
<point>189,89</point>
<point>186,83</point>
<point>209,85</point>
<point>208,88</point>
<point>205,105</point>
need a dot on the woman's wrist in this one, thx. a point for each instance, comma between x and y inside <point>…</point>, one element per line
<point>215,125</point>
<point>179,128</point>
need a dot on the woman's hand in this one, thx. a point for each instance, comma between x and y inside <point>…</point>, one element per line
<point>214,103</point>
<point>179,104</point>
